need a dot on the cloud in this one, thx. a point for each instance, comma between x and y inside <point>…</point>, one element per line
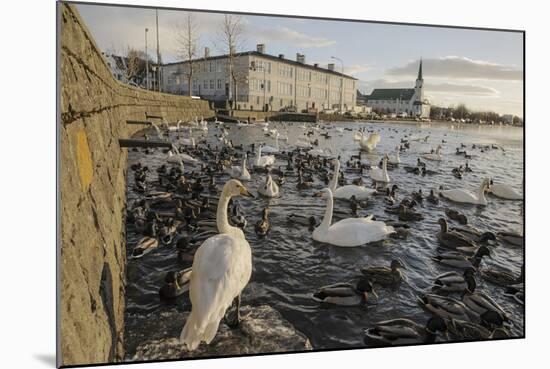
<point>457,67</point>
<point>448,88</point>
<point>290,36</point>
<point>357,69</point>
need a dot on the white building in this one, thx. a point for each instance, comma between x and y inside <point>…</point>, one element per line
<point>263,82</point>
<point>401,100</point>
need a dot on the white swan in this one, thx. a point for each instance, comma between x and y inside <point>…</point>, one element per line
<point>269,188</point>
<point>303,144</point>
<point>435,156</point>
<point>263,161</point>
<point>357,136</point>
<point>347,191</point>
<point>240,173</point>
<point>348,232</point>
<point>468,197</point>
<point>188,141</point>
<point>504,191</point>
<point>175,158</point>
<point>271,149</point>
<point>221,269</point>
<point>320,152</point>
<point>380,175</point>
<point>369,144</point>
<point>394,158</point>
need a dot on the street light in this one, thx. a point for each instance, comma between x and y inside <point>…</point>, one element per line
<point>146,62</point>
<point>342,87</point>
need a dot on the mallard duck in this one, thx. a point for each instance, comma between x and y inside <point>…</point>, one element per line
<point>417,196</point>
<point>445,307</point>
<point>474,234</point>
<point>480,303</point>
<point>450,239</point>
<point>263,226</point>
<point>406,214</point>
<point>460,330</point>
<point>303,184</point>
<point>503,278</point>
<point>303,220</point>
<point>432,198</point>
<point>517,292</point>
<point>455,215</point>
<point>404,331</point>
<point>346,294</point>
<point>175,284</point>
<point>512,238</point>
<point>385,276</point>
<point>236,218</point>
<point>144,246</point>
<point>458,260</point>
<point>455,282</point>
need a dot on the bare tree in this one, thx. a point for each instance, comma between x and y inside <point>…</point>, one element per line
<point>187,39</point>
<point>230,36</point>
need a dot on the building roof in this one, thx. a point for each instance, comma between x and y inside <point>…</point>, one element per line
<point>268,56</point>
<point>391,94</point>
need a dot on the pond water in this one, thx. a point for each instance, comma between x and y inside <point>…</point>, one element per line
<point>288,266</point>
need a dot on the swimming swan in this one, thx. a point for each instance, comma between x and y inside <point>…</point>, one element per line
<point>381,175</point>
<point>347,191</point>
<point>263,161</point>
<point>348,232</point>
<point>435,156</point>
<point>504,191</point>
<point>221,269</point>
<point>468,197</point>
<point>271,149</point>
<point>268,188</point>
<point>394,158</point>
<point>240,173</point>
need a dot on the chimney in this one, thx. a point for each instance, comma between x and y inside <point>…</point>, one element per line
<point>206,52</point>
<point>281,56</point>
<point>331,67</point>
<point>316,65</point>
<point>300,58</point>
<point>260,48</point>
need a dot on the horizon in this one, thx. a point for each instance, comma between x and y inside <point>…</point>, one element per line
<point>482,69</point>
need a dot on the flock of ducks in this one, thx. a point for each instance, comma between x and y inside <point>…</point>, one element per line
<point>178,208</point>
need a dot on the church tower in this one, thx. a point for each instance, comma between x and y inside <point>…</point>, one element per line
<point>418,87</point>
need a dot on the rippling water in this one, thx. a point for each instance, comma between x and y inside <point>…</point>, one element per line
<point>288,265</point>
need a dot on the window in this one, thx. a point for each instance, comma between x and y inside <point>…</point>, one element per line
<point>211,84</point>
<point>285,71</point>
<point>284,88</point>
<point>219,84</point>
<point>205,84</point>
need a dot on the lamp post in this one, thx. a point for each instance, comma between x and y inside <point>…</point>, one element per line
<point>342,86</point>
<point>146,62</point>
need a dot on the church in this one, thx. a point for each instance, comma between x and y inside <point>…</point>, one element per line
<point>401,101</point>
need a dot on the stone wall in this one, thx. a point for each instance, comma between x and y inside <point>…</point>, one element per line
<point>93,111</point>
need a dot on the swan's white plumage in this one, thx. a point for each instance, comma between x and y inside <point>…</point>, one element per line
<point>222,267</point>
<point>263,161</point>
<point>369,144</point>
<point>380,175</point>
<point>268,188</point>
<point>241,173</point>
<point>394,158</point>
<point>505,191</point>
<point>347,191</point>
<point>467,196</point>
<point>349,232</point>
<point>435,156</point>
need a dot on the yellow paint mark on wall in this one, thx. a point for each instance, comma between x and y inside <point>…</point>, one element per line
<point>84,160</point>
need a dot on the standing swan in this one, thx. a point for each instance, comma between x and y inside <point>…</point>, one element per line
<point>348,232</point>
<point>468,197</point>
<point>369,144</point>
<point>221,269</point>
<point>347,191</point>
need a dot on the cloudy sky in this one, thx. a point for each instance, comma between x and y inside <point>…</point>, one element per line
<point>483,69</point>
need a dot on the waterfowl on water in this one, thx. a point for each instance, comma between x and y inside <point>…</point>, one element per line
<point>346,294</point>
<point>461,330</point>
<point>369,144</point>
<point>445,307</point>
<point>456,215</point>
<point>380,174</point>
<point>501,277</point>
<point>302,183</point>
<point>466,196</point>
<point>517,292</point>
<point>455,282</point>
<point>144,246</point>
<point>474,234</point>
<point>406,214</point>
<point>263,226</point>
<point>404,331</point>
<point>175,284</point>
<point>222,267</point>
<point>236,218</point>
<point>512,238</point>
<point>434,156</point>
<point>240,172</point>
<point>432,198</point>
<point>268,188</point>
<point>394,158</point>
<point>459,260</point>
<point>480,303</point>
<point>347,191</point>
<point>308,221</point>
<point>451,239</point>
<point>386,275</point>
<point>348,232</point>
<point>263,161</point>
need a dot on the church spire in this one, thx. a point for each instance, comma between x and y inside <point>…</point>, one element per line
<point>420,70</point>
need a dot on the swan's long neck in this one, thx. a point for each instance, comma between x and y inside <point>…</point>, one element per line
<point>244,163</point>
<point>327,219</point>
<point>334,181</point>
<point>259,155</point>
<point>481,192</point>
<point>385,165</point>
<point>221,215</point>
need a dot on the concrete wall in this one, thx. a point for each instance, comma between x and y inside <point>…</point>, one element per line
<point>92,178</point>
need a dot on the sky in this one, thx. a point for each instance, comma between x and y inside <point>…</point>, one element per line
<point>480,68</point>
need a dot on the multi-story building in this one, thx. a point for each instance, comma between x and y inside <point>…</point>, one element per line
<point>410,101</point>
<point>262,82</point>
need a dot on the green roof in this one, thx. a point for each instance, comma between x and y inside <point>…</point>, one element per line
<point>391,94</point>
